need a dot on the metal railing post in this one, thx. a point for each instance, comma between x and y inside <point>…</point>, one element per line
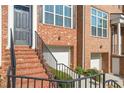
<point>79,82</point>
<point>103,80</point>
<point>8,81</point>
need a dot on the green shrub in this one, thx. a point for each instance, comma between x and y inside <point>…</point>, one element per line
<point>92,72</point>
<point>80,70</point>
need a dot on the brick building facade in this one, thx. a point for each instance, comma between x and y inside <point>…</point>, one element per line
<point>72,39</point>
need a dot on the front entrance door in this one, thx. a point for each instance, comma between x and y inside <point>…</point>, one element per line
<point>22,25</point>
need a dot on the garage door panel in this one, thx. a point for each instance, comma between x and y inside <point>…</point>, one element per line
<point>115,66</point>
<point>95,61</point>
<point>61,54</point>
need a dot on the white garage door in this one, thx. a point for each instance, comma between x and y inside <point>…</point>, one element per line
<point>96,61</point>
<point>115,66</point>
<point>62,54</point>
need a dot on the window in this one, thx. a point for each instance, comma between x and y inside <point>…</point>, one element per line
<point>98,23</point>
<point>49,14</point>
<point>60,15</point>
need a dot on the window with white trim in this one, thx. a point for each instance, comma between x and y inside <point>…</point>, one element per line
<point>59,15</point>
<point>99,20</point>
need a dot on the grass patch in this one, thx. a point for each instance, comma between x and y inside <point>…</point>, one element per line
<point>59,75</point>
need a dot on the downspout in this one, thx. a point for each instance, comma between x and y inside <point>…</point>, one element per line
<point>83,61</point>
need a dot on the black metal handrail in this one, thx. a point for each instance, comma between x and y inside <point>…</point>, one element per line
<point>62,67</point>
<point>12,68</point>
<point>12,53</point>
<point>112,84</point>
<point>44,53</point>
<point>33,82</point>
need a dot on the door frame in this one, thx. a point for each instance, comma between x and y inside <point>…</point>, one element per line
<point>11,23</point>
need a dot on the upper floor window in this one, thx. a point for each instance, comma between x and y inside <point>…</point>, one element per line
<point>60,15</point>
<point>98,22</point>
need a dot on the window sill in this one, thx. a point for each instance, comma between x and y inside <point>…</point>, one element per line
<point>56,26</point>
<point>99,37</point>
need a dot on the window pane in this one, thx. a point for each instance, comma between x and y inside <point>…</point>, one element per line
<point>59,20</point>
<point>21,7</point>
<point>49,8</point>
<point>59,9</point>
<point>99,22</point>
<point>93,20</point>
<point>99,14</point>
<point>67,22</point>
<point>104,15</point>
<point>93,30</point>
<point>94,11</point>
<point>104,23</point>
<point>67,11</point>
<point>49,18</point>
<point>99,31</point>
<point>104,32</point>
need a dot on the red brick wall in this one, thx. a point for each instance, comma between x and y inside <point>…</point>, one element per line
<point>50,35</point>
<point>68,37</point>
<point>92,44</point>
<point>4,35</point>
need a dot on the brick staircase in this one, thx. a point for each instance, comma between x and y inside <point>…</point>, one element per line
<point>27,64</point>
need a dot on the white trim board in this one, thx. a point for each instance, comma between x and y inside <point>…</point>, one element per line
<point>10,22</point>
<point>0,35</point>
<point>34,24</point>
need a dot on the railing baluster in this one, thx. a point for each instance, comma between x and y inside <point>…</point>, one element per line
<point>99,81</point>
<point>8,82</point>
<point>41,83</point>
<point>27,83</point>
<point>85,82</point>
<point>103,80</point>
<point>34,83</point>
<point>21,83</point>
<point>91,82</point>
<point>49,84</point>
<point>95,81</point>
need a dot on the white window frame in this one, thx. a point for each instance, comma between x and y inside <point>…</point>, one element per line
<point>97,22</point>
<point>0,35</point>
<point>71,17</point>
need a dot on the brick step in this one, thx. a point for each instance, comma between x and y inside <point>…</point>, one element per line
<point>24,49</point>
<point>38,84</point>
<point>22,53</point>
<point>21,57</point>
<point>29,71</point>
<point>28,65</point>
<point>39,75</point>
<point>33,60</point>
<point>22,61</point>
<point>22,46</point>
